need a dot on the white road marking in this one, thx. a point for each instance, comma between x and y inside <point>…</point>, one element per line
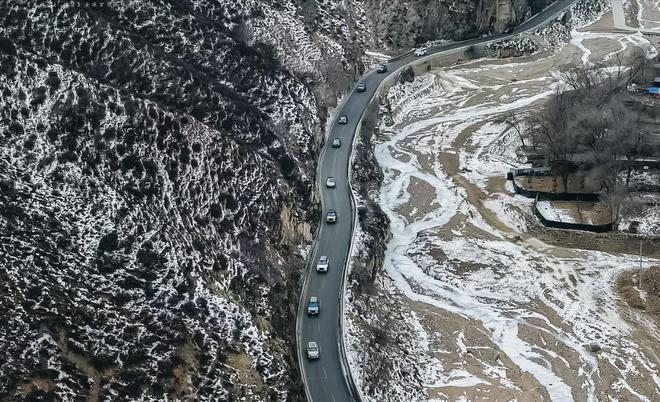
<point>325,375</point>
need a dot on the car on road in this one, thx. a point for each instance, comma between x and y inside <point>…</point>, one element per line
<point>323,264</point>
<point>313,351</point>
<point>313,306</point>
<point>330,182</point>
<point>336,143</point>
<point>343,119</point>
<point>331,216</point>
<point>361,87</point>
<point>420,52</point>
<point>382,68</point>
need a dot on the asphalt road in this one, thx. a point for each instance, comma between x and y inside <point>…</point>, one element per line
<point>324,378</point>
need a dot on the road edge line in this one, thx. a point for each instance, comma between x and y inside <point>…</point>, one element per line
<point>310,261</point>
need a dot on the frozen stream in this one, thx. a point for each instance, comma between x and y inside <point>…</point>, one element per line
<point>564,299</point>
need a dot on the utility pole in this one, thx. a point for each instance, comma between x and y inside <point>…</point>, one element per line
<point>639,275</point>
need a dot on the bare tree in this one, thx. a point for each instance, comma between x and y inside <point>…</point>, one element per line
<point>641,69</point>
<point>605,78</point>
<point>614,200</point>
<point>516,124</point>
<point>550,129</point>
<point>615,192</point>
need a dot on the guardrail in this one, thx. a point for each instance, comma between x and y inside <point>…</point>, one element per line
<point>387,81</point>
<point>345,366</point>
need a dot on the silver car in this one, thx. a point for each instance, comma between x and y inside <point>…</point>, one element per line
<point>313,351</point>
<point>420,52</point>
<point>330,182</point>
<point>331,216</point>
<point>323,264</point>
<point>313,306</point>
<point>336,143</point>
<point>343,119</point>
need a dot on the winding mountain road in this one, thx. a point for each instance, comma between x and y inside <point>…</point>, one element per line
<point>328,378</point>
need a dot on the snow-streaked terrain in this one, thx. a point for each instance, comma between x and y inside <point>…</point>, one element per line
<point>644,14</point>
<point>156,194</point>
<point>464,252</point>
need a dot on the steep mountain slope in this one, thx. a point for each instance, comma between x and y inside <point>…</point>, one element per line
<point>156,200</point>
<point>155,177</point>
<point>403,23</point>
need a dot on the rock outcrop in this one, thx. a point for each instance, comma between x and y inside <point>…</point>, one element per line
<point>401,23</point>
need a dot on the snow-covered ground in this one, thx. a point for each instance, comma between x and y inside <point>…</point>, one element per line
<point>643,14</point>
<point>505,315</point>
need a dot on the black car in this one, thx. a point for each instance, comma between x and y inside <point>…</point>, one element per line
<point>361,87</point>
<point>382,68</point>
<point>331,216</point>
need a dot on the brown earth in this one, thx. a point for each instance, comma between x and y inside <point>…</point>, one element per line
<point>422,200</point>
<point>629,288</point>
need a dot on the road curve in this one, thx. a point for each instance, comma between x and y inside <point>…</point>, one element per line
<point>328,378</point>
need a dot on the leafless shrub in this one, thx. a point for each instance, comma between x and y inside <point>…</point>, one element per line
<point>513,121</point>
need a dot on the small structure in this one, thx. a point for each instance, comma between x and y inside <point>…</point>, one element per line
<point>575,215</point>
<point>577,209</point>
<point>535,171</point>
<point>540,181</point>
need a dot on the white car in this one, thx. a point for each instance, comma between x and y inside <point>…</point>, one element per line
<point>330,182</point>
<point>313,351</point>
<point>420,52</point>
<point>323,264</point>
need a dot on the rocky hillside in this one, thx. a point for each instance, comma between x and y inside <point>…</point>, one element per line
<point>401,23</point>
<point>156,169</point>
<point>156,185</point>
